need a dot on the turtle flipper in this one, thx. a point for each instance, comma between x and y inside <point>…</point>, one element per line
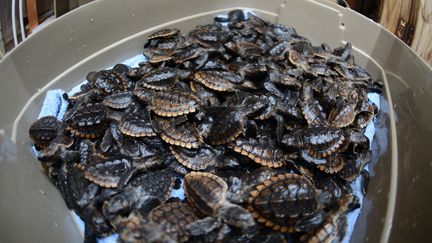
<point>236,215</point>
<point>203,226</point>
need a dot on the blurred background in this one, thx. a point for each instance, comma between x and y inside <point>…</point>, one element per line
<point>410,20</point>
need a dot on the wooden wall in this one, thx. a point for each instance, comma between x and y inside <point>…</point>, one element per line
<point>416,12</point>
<point>422,42</point>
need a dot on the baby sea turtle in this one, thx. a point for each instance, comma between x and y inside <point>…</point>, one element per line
<point>169,103</point>
<point>158,184</point>
<point>158,79</point>
<point>283,201</point>
<point>89,121</point>
<point>312,110</point>
<point>108,173</point>
<point>218,80</point>
<point>330,164</point>
<point>119,100</point>
<point>207,194</point>
<point>173,219</point>
<point>164,33</point>
<point>144,192</point>
<point>184,134</point>
<point>318,141</point>
<point>59,150</point>
<point>136,125</point>
<point>44,130</point>
<point>158,56</point>
<point>187,53</point>
<point>354,166</point>
<point>109,81</point>
<point>343,114</point>
<point>227,125</point>
<point>334,226</point>
<point>195,159</point>
<point>240,188</point>
<point>262,151</point>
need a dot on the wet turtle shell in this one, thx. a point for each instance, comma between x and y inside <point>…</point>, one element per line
<point>44,130</point>
<point>158,184</point>
<point>184,134</point>
<point>208,38</point>
<point>196,159</point>
<point>240,188</point>
<point>331,164</point>
<point>108,173</point>
<point>218,80</point>
<point>318,141</point>
<point>136,125</point>
<point>119,100</point>
<point>262,152</point>
<point>226,127</point>
<point>205,192</point>
<point>354,166</point>
<point>188,53</point>
<point>313,113</point>
<point>157,56</point>
<point>164,33</point>
<point>169,103</point>
<point>89,121</point>
<point>173,219</point>
<point>59,150</point>
<point>282,200</point>
<point>108,81</point>
<point>159,79</point>
<point>343,115</point>
<point>284,78</point>
<point>334,226</point>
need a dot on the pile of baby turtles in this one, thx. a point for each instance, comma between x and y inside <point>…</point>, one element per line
<point>262,130</point>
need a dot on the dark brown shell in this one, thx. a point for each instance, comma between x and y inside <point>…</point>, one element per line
<point>298,59</point>
<point>44,130</point>
<point>218,80</point>
<point>284,78</point>
<point>173,219</point>
<point>197,159</point>
<point>313,113</point>
<point>159,79</point>
<point>207,38</point>
<point>108,81</point>
<point>89,121</point>
<point>334,164</point>
<point>322,142</point>
<point>119,100</point>
<point>158,184</point>
<point>156,56</point>
<point>282,200</point>
<point>278,51</point>
<point>108,173</point>
<point>164,33</point>
<point>187,53</point>
<point>136,125</point>
<point>170,103</point>
<point>262,152</point>
<point>226,127</point>
<point>330,165</point>
<point>205,192</point>
<point>334,226</point>
<point>184,134</point>
<point>343,115</point>
<point>353,166</point>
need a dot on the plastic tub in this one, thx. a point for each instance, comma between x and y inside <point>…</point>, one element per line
<point>396,207</point>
